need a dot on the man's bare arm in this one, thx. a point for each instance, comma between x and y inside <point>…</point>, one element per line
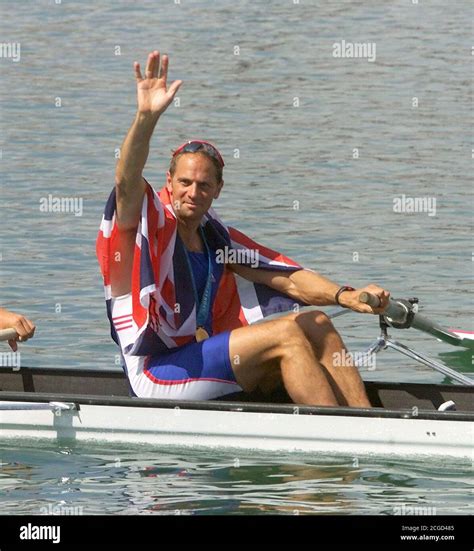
<point>153,98</point>
<point>311,288</point>
<point>129,182</point>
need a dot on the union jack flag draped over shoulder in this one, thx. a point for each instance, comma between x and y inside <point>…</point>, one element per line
<point>163,309</point>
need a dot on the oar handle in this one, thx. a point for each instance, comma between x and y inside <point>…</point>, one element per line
<point>8,334</point>
<point>395,309</point>
<point>370,299</point>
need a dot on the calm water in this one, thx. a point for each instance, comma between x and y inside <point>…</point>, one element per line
<point>118,480</point>
<point>287,116</point>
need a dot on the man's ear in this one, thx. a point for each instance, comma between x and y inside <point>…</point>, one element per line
<point>219,188</point>
<point>169,187</point>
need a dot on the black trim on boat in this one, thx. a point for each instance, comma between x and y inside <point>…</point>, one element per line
<point>289,409</point>
<point>99,387</point>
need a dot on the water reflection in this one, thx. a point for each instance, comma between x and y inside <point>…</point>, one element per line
<point>184,482</point>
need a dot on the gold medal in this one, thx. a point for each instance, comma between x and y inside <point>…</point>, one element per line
<point>201,334</point>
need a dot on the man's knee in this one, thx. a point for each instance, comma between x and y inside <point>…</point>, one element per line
<point>316,320</point>
<point>303,329</point>
<point>312,316</point>
<point>321,319</point>
<point>317,329</point>
<point>292,334</point>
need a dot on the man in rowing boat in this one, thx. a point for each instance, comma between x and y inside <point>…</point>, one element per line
<point>182,288</point>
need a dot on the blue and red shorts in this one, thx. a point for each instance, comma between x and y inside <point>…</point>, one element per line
<point>195,371</point>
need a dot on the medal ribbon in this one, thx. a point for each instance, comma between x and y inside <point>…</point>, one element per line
<point>202,306</point>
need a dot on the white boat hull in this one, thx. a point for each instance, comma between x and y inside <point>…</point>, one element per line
<point>266,431</point>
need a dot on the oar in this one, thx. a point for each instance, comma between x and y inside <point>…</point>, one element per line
<point>8,334</point>
<point>402,312</point>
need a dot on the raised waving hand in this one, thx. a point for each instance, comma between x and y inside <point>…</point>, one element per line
<point>153,95</point>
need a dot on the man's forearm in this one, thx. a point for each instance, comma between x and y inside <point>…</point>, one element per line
<point>303,285</point>
<point>129,182</point>
<point>313,288</point>
<point>135,149</point>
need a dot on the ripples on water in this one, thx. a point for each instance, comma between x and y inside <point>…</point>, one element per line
<point>93,480</point>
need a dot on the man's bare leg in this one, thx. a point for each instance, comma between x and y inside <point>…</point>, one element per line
<point>251,348</point>
<point>327,344</point>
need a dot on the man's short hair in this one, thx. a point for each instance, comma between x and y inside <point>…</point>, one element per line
<point>215,162</point>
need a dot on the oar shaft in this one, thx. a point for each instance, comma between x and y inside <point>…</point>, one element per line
<point>424,324</point>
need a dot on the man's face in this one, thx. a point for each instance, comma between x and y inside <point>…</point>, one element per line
<point>193,187</point>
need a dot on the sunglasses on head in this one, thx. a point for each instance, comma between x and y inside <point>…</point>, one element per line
<point>193,146</point>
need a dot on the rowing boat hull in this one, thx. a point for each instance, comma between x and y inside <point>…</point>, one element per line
<point>252,430</point>
<point>94,406</point>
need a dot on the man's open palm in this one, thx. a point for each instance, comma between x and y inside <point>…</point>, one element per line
<point>152,94</point>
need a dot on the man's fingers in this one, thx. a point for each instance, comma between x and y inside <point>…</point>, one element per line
<point>30,327</point>
<point>138,73</point>
<point>174,88</point>
<point>152,64</point>
<point>13,345</point>
<point>148,67</point>
<point>24,328</point>
<point>383,297</point>
<point>164,68</point>
<point>153,68</point>
<point>379,292</point>
<point>22,331</point>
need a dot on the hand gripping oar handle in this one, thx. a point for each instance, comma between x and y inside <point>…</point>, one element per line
<point>400,312</point>
<point>8,334</point>
<point>370,299</point>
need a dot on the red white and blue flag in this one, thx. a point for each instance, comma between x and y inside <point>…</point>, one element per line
<point>162,315</point>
